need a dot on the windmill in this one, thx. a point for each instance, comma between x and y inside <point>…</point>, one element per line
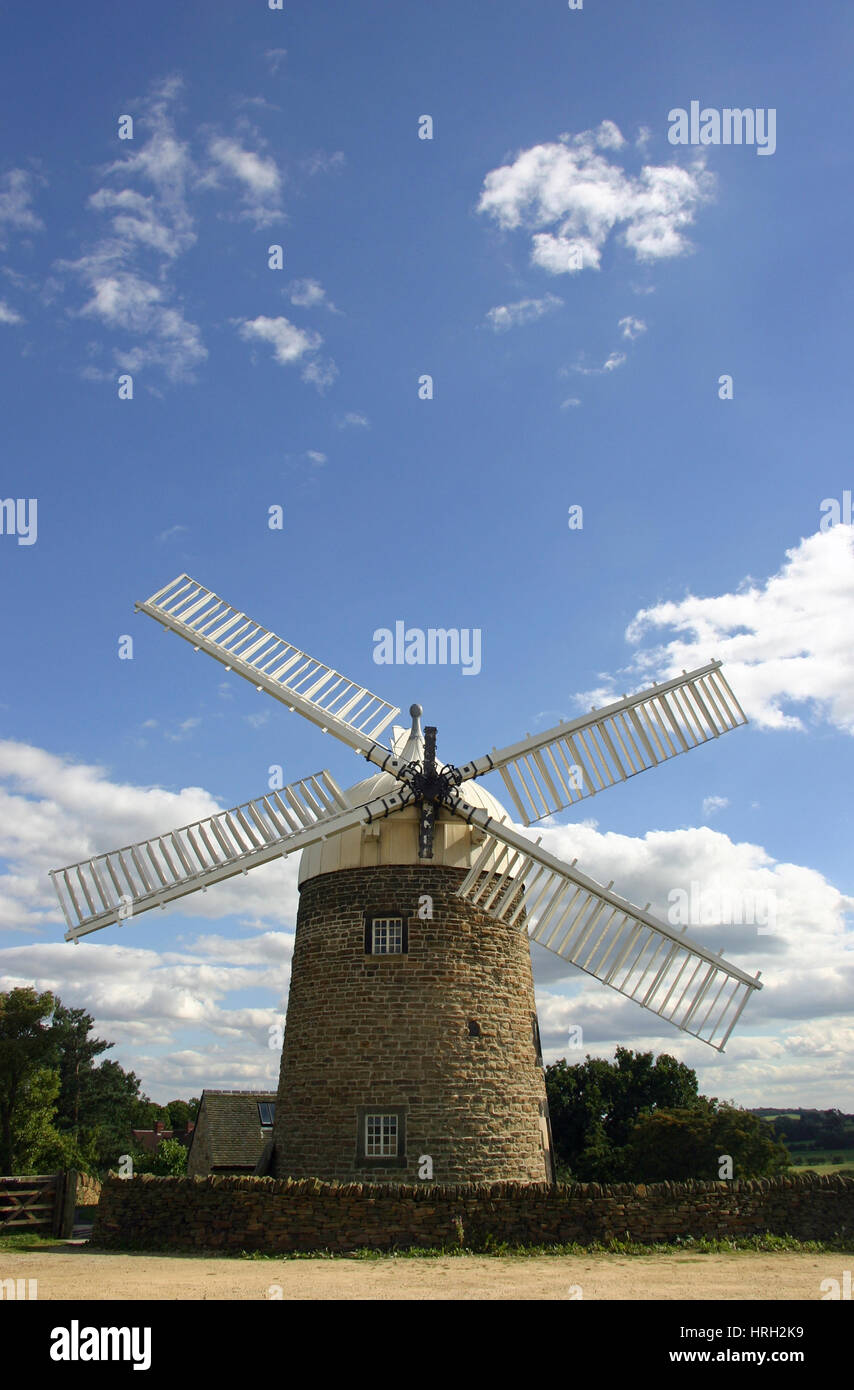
<point>411,1044</point>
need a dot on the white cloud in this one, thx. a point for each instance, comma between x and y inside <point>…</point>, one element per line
<point>652,867</point>
<point>54,812</point>
<point>568,195</point>
<point>127,301</point>
<point>9,315</point>
<point>257,174</point>
<point>305,294</point>
<point>322,163</point>
<point>321,372</point>
<point>275,57</point>
<point>779,638</point>
<point>316,457</point>
<point>611,363</point>
<point>170,532</point>
<point>17,190</point>
<point>291,345</point>
<point>506,316</point>
<point>355,420</point>
<point>712,804</point>
<point>127,295</point>
<point>632,327</point>
<point>570,402</point>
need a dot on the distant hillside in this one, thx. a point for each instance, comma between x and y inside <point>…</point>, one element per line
<point>809,1134</point>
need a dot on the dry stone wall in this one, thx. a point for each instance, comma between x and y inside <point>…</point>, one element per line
<point>235,1214</point>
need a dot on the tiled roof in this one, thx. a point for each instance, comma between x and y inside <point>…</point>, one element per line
<point>235,1134</point>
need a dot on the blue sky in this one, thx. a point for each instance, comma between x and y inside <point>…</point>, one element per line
<point>598,386</point>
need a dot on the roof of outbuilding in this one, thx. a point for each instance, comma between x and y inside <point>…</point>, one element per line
<point>235,1133</point>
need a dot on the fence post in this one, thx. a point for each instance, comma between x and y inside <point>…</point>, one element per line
<point>66,1204</point>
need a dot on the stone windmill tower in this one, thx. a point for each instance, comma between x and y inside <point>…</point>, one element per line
<point>411,1043</point>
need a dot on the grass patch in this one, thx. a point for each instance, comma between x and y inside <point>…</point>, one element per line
<point>701,1245</point>
<point>17,1242</point>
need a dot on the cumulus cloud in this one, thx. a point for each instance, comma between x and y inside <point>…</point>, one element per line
<point>799,992</point>
<point>257,175</point>
<point>779,638</point>
<point>632,327</point>
<point>353,419</point>
<point>291,345</point>
<point>307,293</point>
<point>506,316</point>
<point>9,315</point>
<point>316,457</point>
<point>55,812</point>
<point>711,804</point>
<point>569,197</point>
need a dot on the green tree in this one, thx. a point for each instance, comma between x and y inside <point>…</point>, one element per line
<point>77,1053</point>
<point>675,1145</point>
<point>595,1104</point>
<point>168,1161</point>
<point>26,1046</point>
<point>181,1113</point>
<point>33,1130</point>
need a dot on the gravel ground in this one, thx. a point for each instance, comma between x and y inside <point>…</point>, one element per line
<point>71,1271</point>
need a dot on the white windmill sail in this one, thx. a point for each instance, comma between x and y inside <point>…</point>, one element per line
<point>123,883</point>
<point>555,769</point>
<point>603,934</point>
<point>337,705</point>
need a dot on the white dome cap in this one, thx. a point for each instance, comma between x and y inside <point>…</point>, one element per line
<point>394,840</point>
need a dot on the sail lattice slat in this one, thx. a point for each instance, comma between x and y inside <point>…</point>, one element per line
<point>339,706</point>
<point>591,927</point>
<point>553,770</point>
<point>110,887</point>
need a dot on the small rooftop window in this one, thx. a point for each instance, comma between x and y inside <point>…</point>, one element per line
<point>266,1113</point>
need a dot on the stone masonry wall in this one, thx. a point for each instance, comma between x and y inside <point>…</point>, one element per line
<point>393,1033</point>
<point>235,1214</point>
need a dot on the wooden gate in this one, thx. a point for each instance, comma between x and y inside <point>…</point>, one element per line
<point>44,1204</point>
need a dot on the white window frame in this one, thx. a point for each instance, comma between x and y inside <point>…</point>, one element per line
<point>392,927</point>
<point>382,1152</point>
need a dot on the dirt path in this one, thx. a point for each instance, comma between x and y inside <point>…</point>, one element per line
<point>73,1272</point>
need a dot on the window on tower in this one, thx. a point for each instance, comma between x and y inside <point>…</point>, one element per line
<point>381,1135</point>
<point>385,936</point>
